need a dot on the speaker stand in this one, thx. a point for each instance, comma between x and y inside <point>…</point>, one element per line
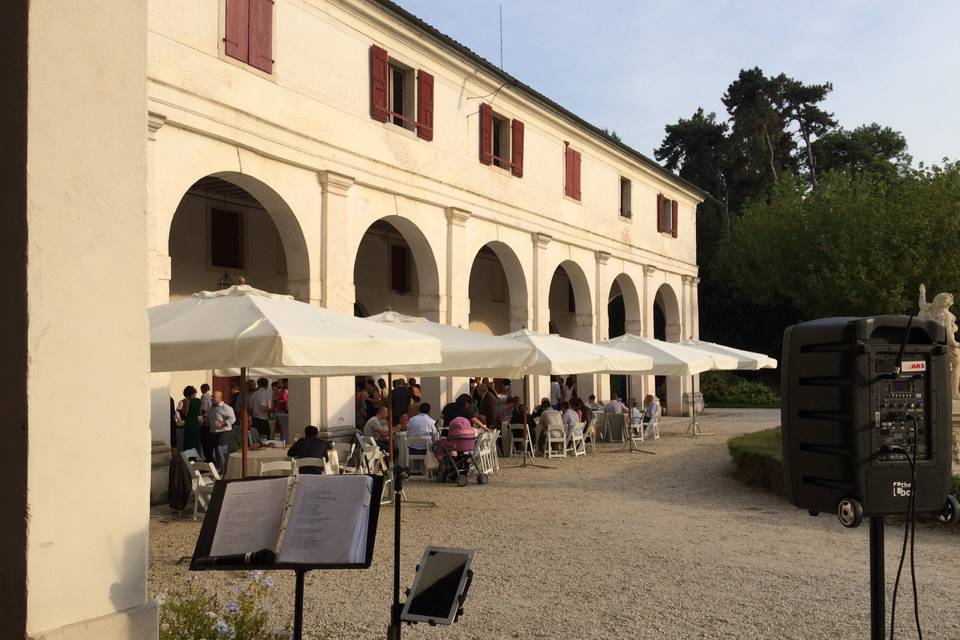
<point>878,596</point>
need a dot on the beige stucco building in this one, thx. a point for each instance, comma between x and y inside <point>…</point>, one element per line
<point>338,150</point>
<point>322,192</point>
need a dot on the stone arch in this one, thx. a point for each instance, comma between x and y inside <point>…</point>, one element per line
<point>570,302</point>
<point>513,312</point>
<point>257,203</point>
<point>398,231</point>
<point>624,296</point>
<point>666,302</point>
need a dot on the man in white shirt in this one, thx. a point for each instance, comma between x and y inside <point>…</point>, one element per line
<point>260,403</point>
<point>614,406</point>
<point>422,426</point>
<point>550,418</point>
<point>555,393</point>
<point>222,420</point>
<point>377,428</point>
<point>206,400</point>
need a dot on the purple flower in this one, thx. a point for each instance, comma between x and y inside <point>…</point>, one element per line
<point>232,607</point>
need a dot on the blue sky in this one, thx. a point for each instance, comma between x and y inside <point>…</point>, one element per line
<point>636,66</point>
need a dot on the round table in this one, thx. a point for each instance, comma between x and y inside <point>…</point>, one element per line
<point>254,460</point>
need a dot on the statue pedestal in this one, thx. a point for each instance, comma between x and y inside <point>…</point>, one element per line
<point>956,437</point>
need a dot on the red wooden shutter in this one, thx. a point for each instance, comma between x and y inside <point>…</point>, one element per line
<point>659,213</point>
<point>424,105</point>
<point>568,171</point>
<point>379,81</point>
<point>486,133</point>
<point>516,147</point>
<point>237,29</point>
<point>673,219</point>
<point>261,34</point>
<point>576,175</point>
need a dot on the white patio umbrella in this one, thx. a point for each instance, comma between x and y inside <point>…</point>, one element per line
<point>557,355</point>
<point>464,352</point>
<point>746,360</point>
<point>243,328</point>
<point>674,359</point>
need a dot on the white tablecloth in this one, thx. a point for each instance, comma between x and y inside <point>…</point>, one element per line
<point>254,460</point>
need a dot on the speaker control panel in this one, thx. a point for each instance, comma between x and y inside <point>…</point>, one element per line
<point>900,414</point>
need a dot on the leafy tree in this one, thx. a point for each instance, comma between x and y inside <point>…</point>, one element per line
<point>855,245</point>
<point>800,106</point>
<point>761,148</point>
<point>870,148</point>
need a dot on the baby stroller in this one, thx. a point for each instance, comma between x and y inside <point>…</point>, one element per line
<point>455,455</point>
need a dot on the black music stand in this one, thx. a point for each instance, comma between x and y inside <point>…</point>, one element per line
<point>209,528</point>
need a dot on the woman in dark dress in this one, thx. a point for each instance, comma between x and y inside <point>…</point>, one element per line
<point>191,429</point>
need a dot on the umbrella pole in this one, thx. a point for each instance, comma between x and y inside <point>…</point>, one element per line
<point>243,421</point>
<point>694,423</point>
<point>390,418</point>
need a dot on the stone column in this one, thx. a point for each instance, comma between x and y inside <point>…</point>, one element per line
<point>688,315</point>
<point>540,294</point>
<point>457,293</point>
<point>601,383</point>
<point>647,382</point>
<point>330,402</point>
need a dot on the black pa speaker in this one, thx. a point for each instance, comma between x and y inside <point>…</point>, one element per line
<point>861,398</point>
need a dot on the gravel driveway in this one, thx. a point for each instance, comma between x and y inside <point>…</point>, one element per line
<point>620,545</point>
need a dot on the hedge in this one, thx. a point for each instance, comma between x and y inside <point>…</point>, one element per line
<point>758,457</point>
<point>726,389</point>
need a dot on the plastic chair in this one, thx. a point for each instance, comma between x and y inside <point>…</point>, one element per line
<point>556,442</point>
<point>576,444</point>
<point>298,463</point>
<point>634,433</point>
<point>286,466</point>
<point>520,441</point>
<point>416,460</point>
<point>590,433</point>
<point>204,477</point>
<point>333,461</point>
<point>652,428</point>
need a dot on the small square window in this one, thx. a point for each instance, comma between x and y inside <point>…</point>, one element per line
<point>402,99</point>
<point>501,142</point>
<point>625,198</point>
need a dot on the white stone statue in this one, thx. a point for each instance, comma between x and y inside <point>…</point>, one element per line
<point>939,310</point>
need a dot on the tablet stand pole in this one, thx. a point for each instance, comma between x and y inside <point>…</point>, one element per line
<point>298,606</point>
<point>393,632</point>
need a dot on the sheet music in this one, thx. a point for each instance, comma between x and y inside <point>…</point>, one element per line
<point>250,517</point>
<point>328,521</point>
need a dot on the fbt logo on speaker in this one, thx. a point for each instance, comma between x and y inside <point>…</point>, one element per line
<point>901,489</point>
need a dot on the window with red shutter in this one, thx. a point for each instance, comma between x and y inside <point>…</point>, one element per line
<point>379,79</point>
<point>516,159</point>
<point>261,35</point>
<point>674,208</point>
<point>568,171</point>
<point>576,175</point>
<point>236,36</point>
<point>424,105</point>
<point>486,133</point>
<point>659,213</point>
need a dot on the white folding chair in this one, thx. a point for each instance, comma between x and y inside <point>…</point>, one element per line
<point>285,467</point>
<point>204,477</point>
<point>343,450</point>
<point>575,443</point>
<point>556,442</point>
<point>590,433</point>
<point>299,463</point>
<point>191,455</point>
<point>652,428</point>
<point>520,441</point>
<point>416,460</point>
<point>634,437</point>
<point>494,456</point>
<point>333,460</point>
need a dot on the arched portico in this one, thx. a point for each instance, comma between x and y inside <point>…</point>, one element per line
<point>571,311</point>
<point>498,290</point>
<point>624,315</point>
<point>667,325</point>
